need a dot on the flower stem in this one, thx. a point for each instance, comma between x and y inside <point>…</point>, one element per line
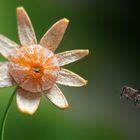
<point>5,115</point>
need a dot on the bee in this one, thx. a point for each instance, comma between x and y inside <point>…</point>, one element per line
<point>132,94</point>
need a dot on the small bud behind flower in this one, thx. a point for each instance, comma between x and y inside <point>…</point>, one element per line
<point>132,94</point>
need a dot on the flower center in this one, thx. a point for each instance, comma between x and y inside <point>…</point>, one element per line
<point>37,70</point>
<point>34,68</point>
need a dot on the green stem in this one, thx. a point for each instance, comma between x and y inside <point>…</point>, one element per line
<point>5,115</point>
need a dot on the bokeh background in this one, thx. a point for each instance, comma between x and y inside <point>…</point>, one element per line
<point>111,31</point>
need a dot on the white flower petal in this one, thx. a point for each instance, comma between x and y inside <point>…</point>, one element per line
<point>25,28</point>
<point>70,56</point>
<point>27,102</point>
<point>7,46</point>
<point>5,78</point>
<point>54,35</point>
<point>69,78</point>
<point>56,97</point>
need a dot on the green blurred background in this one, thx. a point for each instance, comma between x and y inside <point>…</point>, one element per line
<point>110,30</point>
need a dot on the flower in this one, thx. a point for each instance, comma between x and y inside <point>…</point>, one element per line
<point>34,67</point>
